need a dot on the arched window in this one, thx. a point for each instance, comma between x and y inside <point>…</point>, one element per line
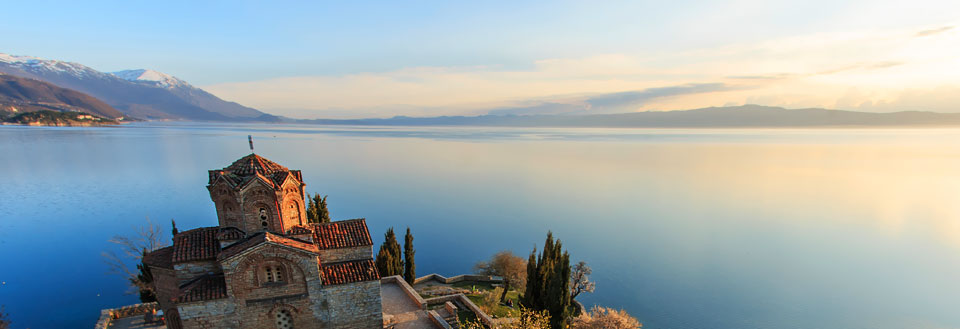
<point>284,320</point>
<point>273,274</point>
<point>263,218</point>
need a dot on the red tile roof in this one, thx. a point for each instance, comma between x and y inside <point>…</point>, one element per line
<point>253,163</point>
<point>230,233</point>
<point>196,244</point>
<point>263,237</point>
<point>348,272</point>
<point>342,234</point>
<point>207,287</point>
<point>161,258</point>
<point>252,167</point>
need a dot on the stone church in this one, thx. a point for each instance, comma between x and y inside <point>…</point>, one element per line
<point>264,265</point>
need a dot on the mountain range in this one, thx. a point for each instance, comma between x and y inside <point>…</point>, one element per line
<point>143,94</point>
<point>711,117</point>
<point>19,95</point>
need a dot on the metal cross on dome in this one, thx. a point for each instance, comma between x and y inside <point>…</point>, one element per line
<point>250,139</point>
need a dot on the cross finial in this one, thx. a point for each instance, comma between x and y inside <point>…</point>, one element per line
<point>250,139</point>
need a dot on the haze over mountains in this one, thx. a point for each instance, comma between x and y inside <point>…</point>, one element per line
<point>143,94</point>
<point>711,117</point>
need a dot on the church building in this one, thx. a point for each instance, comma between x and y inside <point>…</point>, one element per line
<point>264,265</point>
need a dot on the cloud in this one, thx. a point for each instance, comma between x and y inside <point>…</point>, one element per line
<point>926,33</point>
<point>624,101</point>
<point>813,70</point>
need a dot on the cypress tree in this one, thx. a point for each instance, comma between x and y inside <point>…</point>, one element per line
<point>548,281</point>
<point>317,209</point>
<point>323,215</point>
<point>409,264</point>
<point>389,261</point>
<point>311,210</point>
<point>532,292</point>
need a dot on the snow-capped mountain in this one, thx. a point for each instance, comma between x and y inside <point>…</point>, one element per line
<point>150,77</point>
<point>144,94</point>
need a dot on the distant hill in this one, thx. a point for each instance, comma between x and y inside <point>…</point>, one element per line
<point>18,95</point>
<point>57,118</point>
<point>735,116</point>
<point>144,94</point>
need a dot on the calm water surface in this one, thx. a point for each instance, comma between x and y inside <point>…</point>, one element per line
<point>683,228</point>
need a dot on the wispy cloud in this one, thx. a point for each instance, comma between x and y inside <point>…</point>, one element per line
<point>930,32</point>
<point>815,70</point>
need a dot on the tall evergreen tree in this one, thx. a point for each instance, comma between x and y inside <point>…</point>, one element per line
<point>389,261</point>
<point>409,264</point>
<point>548,282</point>
<point>322,213</point>
<point>311,210</point>
<point>317,209</point>
<point>532,293</point>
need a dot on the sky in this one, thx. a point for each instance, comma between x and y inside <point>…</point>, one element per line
<point>353,59</point>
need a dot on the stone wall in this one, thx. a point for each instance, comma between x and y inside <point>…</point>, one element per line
<point>353,306</point>
<point>218,313</point>
<point>345,254</point>
<point>458,278</point>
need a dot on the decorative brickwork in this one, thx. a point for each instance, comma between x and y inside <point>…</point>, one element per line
<point>264,266</point>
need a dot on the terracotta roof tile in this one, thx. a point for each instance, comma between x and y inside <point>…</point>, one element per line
<point>207,287</point>
<point>348,272</point>
<point>263,237</point>
<point>196,244</point>
<point>342,234</point>
<point>230,234</point>
<point>253,163</point>
<point>162,258</point>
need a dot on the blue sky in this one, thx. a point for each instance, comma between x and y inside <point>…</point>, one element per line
<point>352,59</point>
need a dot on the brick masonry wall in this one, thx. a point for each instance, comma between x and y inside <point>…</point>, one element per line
<point>345,254</point>
<point>353,306</point>
<point>218,313</point>
<point>244,276</point>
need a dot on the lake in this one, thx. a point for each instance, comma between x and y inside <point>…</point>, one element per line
<point>735,228</point>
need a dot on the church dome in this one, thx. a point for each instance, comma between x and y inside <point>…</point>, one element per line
<point>254,164</point>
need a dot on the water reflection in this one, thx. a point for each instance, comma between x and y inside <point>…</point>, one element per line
<point>684,228</point>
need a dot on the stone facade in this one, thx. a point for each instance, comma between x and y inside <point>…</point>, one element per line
<point>264,266</point>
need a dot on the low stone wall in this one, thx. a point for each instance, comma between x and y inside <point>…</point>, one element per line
<point>458,278</point>
<point>108,315</point>
<point>440,322</point>
<point>452,309</point>
<point>406,289</point>
<point>484,317</point>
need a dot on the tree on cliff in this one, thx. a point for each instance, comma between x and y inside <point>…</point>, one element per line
<point>605,318</point>
<point>389,260</point>
<point>317,209</point>
<point>409,263</point>
<point>548,283</point>
<point>147,238</point>
<point>580,280</point>
<point>508,266</point>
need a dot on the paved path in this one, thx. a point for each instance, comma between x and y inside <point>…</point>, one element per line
<point>402,309</point>
<point>395,301</point>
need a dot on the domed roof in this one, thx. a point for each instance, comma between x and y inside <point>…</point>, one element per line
<point>253,164</point>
